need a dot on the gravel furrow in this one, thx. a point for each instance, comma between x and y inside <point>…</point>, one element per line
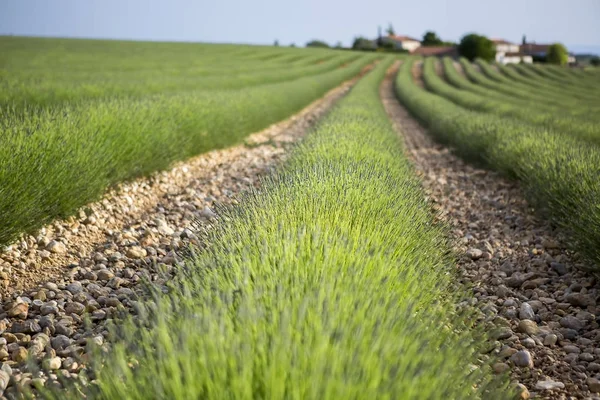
<point>459,69</point>
<point>92,266</point>
<point>523,279</point>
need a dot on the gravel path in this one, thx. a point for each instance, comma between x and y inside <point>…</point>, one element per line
<point>93,265</point>
<point>459,69</point>
<point>523,279</point>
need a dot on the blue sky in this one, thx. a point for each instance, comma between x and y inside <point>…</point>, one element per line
<point>574,23</point>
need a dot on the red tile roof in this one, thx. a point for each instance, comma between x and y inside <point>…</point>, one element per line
<point>501,41</point>
<point>400,38</point>
<point>532,48</point>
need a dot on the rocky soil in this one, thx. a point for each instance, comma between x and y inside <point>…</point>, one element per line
<point>92,266</point>
<point>523,278</point>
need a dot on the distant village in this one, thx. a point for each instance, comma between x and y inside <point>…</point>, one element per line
<point>500,50</point>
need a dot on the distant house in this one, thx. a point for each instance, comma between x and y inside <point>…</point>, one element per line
<point>402,42</point>
<point>510,53</point>
<point>538,52</point>
<point>436,51</point>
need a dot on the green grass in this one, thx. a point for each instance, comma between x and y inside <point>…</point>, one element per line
<point>512,87</point>
<point>102,72</point>
<point>57,159</point>
<point>560,174</point>
<point>332,282</point>
<point>529,114</point>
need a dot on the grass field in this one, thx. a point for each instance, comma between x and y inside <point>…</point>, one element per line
<point>335,279</point>
<point>72,130</point>
<point>556,157</point>
<point>326,286</point>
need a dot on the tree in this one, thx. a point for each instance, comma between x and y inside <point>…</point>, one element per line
<point>430,38</point>
<point>361,43</point>
<point>595,61</point>
<point>557,54</point>
<point>339,45</point>
<point>317,43</point>
<point>390,30</point>
<point>474,46</point>
<point>276,43</point>
<point>524,40</point>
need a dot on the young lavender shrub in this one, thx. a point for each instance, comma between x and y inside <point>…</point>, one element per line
<point>55,160</point>
<point>331,282</point>
<point>560,173</point>
<point>551,120</point>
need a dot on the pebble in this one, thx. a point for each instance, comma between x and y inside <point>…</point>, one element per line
<point>549,385</point>
<point>20,354</point>
<point>4,380</point>
<point>529,327</point>
<point>526,311</point>
<point>522,358</point>
<point>550,340</point>
<point>499,368</point>
<point>560,269</point>
<point>571,349</point>
<point>52,363</point>
<point>572,322</point>
<point>578,299</point>
<point>74,308</point>
<point>136,252</point>
<point>208,213</point>
<point>474,254</point>
<point>56,247</point>
<point>75,287</point>
<point>18,310</point>
<point>593,385</point>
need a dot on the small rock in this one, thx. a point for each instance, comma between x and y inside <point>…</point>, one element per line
<point>550,244</point>
<point>593,367</point>
<point>52,363</point>
<point>526,312</point>
<point>578,299</point>
<point>549,385</point>
<point>506,352</point>
<point>60,342</point>
<point>593,385</point>
<point>20,354</point>
<point>586,357</point>
<point>502,333</point>
<point>550,339</point>
<point>572,323</point>
<point>523,392</point>
<point>105,275</point>
<point>75,287</point>
<point>18,310</point>
<point>4,379</point>
<point>522,358</point>
<point>571,349</point>
<point>560,269</point>
<point>74,308</point>
<point>500,367</point>
<point>474,254</point>
<point>28,326</point>
<point>529,327</point>
<point>62,329</point>
<point>164,229</point>
<point>56,247</point>
<point>207,213</point>
<point>529,343</point>
<point>136,252</point>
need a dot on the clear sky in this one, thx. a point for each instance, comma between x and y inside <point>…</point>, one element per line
<point>574,23</point>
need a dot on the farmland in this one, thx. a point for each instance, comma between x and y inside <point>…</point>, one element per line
<point>229,221</point>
